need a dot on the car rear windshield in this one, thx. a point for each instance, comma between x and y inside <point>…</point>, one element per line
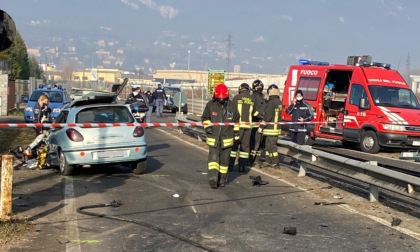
<point>53,96</point>
<point>105,114</point>
<point>171,91</point>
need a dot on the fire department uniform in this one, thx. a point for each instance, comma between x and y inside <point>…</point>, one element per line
<point>256,117</point>
<point>272,113</point>
<point>219,138</point>
<point>244,102</point>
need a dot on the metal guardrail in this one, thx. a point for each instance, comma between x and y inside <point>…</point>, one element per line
<point>375,176</point>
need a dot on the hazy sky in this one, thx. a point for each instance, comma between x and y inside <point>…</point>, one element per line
<point>267,34</point>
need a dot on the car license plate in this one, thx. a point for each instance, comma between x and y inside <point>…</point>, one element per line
<point>408,154</point>
<point>110,154</point>
<point>416,143</point>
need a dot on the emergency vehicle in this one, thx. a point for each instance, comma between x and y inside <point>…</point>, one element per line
<point>364,103</point>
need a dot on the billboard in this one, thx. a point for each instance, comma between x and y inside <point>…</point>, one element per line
<point>214,78</point>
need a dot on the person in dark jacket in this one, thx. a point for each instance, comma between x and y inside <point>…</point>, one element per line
<point>272,114</point>
<point>150,100</point>
<point>42,113</point>
<point>244,103</point>
<point>160,98</point>
<point>301,112</point>
<point>258,96</point>
<point>137,96</point>
<point>219,138</point>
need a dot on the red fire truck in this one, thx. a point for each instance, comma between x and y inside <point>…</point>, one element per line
<point>363,103</point>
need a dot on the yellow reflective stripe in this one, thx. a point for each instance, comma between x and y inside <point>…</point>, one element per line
<point>256,113</point>
<point>228,142</point>
<point>233,154</point>
<point>205,123</point>
<point>271,132</point>
<point>213,166</point>
<point>240,111</point>
<point>236,128</point>
<point>223,169</point>
<point>211,141</point>
<point>271,154</point>
<point>243,154</point>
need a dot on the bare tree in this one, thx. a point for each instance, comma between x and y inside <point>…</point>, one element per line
<point>69,66</point>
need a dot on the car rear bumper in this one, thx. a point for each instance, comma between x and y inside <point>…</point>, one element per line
<point>104,156</point>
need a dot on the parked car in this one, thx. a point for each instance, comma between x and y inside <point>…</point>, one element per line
<point>58,99</point>
<point>169,104</point>
<point>73,146</point>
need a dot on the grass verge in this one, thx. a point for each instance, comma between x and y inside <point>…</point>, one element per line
<point>9,139</point>
<point>12,137</point>
<point>10,230</point>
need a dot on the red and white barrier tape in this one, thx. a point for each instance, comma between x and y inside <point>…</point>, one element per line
<point>103,125</point>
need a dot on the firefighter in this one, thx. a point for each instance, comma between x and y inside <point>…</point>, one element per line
<point>244,103</point>
<point>258,96</point>
<point>301,112</point>
<point>42,113</point>
<point>219,138</point>
<point>272,113</point>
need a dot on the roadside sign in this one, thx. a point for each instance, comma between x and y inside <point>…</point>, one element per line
<point>214,78</point>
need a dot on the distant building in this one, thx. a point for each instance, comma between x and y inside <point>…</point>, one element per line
<point>237,68</point>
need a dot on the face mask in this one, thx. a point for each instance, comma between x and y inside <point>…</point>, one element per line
<point>135,93</point>
<point>299,98</point>
<point>222,100</point>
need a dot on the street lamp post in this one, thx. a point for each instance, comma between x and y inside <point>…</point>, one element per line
<point>189,54</point>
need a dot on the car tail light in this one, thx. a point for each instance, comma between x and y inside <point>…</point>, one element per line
<point>138,131</point>
<point>74,135</point>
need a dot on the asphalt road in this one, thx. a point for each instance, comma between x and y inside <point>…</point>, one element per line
<point>172,208</point>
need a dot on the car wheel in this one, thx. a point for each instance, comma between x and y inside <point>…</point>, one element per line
<point>139,167</point>
<point>369,142</point>
<point>65,168</point>
<point>185,109</point>
<point>173,110</point>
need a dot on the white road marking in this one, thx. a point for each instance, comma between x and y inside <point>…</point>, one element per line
<point>72,227</point>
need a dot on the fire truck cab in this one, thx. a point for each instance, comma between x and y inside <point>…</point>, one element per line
<point>363,103</point>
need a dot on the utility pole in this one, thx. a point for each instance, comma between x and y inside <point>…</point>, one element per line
<point>407,69</point>
<point>229,48</point>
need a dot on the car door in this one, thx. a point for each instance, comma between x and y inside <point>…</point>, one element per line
<point>355,116</point>
<point>55,135</point>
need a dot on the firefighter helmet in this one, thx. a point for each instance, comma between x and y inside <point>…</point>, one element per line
<point>257,83</point>
<point>271,87</point>
<point>221,91</point>
<point>243,86</point>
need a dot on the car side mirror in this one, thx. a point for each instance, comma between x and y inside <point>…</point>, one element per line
<point>364,104</point>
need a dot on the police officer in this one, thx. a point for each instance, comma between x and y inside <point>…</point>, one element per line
<point>244,103</point>
<point>301,112</point>
<point>219,138</point>
<point>269,127</point>
<point>150,100</point>
<point>42,113</point>
<point>160,98</point>
<point>258,96</point>
<point>137,96</point>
